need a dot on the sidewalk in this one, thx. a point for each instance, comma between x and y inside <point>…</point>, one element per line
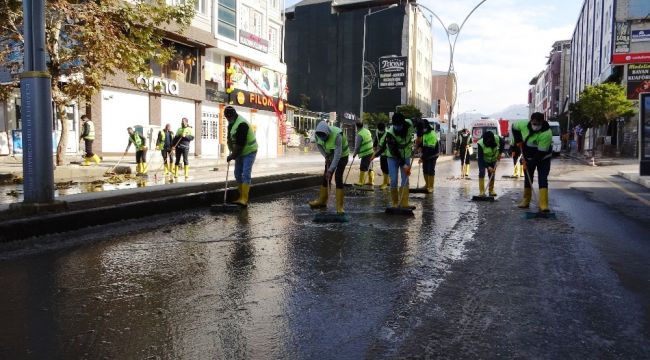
<point>629,168</point>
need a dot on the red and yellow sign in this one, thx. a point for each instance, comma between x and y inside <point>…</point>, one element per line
<point>257,101</point>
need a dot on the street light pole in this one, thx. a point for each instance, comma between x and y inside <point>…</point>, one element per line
<point>363,58</point>
<point>452,30</point>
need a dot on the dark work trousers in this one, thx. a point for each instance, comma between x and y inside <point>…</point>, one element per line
<point>383,163</point>
<point>167,156</point>
<point>141,155</point>
<point>464,156</point>
<point>365,163</point>
<point>482,166</point>
<point>184,151</point>
<point>429,165</point>
<point>338,174</point>
<point>89,148</point>
<point>543,169</point>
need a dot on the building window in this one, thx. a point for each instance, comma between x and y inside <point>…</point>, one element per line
<point>201,7</point>
<point>273,40</point>
<point>252,21</point>
<point>275,4</point>
<point>227,19</point>
<point>183,66</point>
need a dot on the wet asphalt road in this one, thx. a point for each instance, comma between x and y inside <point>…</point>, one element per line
<point>460,279</point>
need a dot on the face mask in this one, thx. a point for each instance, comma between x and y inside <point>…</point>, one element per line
<point>322,136</point>
<point>397,127</point>
<point>536,127</point>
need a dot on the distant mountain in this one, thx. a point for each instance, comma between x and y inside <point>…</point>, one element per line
<point>512,112</point>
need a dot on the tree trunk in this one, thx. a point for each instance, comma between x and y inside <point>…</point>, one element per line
<point>63,140</point>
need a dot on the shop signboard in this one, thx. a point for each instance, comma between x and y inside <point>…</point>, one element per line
<point>644,135</point>
<point>638,80</point>
<point>640,35</point>
<point>622,42</point>
<point>258,101</point>
<point>392,72</point>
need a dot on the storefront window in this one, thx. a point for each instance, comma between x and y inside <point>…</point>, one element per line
<point>227,18</point>
<point>183,66</point>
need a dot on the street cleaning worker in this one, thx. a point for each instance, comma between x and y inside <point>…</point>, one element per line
<point>243,149</point>
<point>380,135</point>
<point>139,142</point>
<point>181,142</point>
<point>430,151</point>
<point>88,136</point>
<point>535,139</point>
<point>490,148</point>
<point>164,144</point>
<point>363,148</point>
<point>399,142</point>
<point>515,151</point>
<point>463,147</point>
<point>333,145</point>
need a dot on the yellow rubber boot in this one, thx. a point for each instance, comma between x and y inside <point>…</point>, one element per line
<point>467,170</point>
<point>321,202</point>
<point>144,167</point>
<point>166,170</point>
<point>491,185</point>
<point>481,186</point>
<point>394,197</point>
<point>520,171</point>
<point>137,168</point>
<point>362,178</point>
<point>404,201</point>
<point>543,200</point>
<point>426,182</point>
<point>371,178</point>
<point>85,162</point>
<point>243,194</point>
<point>96,159</point>
<point>187,171</point>
<point>340,194</point>
<point>525,202</point>
<point>239,192</point>
<point>515,171</point>
<point>432,179</point>
<point>175,171</point>
<point>386,182</point>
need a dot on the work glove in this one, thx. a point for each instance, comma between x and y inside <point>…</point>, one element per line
<point>328,176</point>
<point>230,158</point>
<point>407,170</point>
<point>490,170</point>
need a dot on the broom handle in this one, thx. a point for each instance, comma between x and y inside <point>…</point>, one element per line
<point>118,162</point>
<point>225,190</point>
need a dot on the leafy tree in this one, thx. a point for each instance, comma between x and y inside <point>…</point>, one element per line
<point>409,111</point>
<point>372,119</point>
<point>600,104</point>
<point>87,41</point>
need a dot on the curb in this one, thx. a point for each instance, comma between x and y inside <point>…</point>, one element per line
<point>155,203</point>
<point>634,177</point>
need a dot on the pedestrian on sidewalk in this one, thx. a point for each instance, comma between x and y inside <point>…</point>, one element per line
<point>464,147</point>
<point>535,139</point>
<point>164,143</point>
<point>399,143</point>
<point>430,150</point>
<point>490,148</point>
<point>184,135</point>
<point>88,136</point>
<point>380,138</point>
<point>363,148</point>
<point>139,142</point>
<point>243,149</point>
<point>334,147</point>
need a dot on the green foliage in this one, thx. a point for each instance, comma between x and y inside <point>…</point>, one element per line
<point>600,104</point>
<point>372,119</point>
<point>90,41</point>
<point>409,111</point>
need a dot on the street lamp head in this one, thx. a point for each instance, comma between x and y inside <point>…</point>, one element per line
<point>453,29</point>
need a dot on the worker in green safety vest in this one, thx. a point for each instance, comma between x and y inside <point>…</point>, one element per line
<point>430,151</point>
<point>164,143</point>
<point>243,149</point>
<point>535,139</point>
<point>184,135</point>
<point>399,144</point>
<point>490,148</point>
<point>364,149</point>
<point>380,138</point>
<point>88,136</point>
<point>333,145</point>
<point>139,142</point>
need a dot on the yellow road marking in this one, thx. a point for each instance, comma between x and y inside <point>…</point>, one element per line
<point>644,201</point>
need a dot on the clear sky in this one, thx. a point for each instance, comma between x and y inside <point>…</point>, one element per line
<point>502,46</point>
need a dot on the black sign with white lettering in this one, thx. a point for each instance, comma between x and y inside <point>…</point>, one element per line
<point>392,71</point>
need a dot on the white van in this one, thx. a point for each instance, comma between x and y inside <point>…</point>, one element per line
<point>557,141</point>
<point>480,127</point>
